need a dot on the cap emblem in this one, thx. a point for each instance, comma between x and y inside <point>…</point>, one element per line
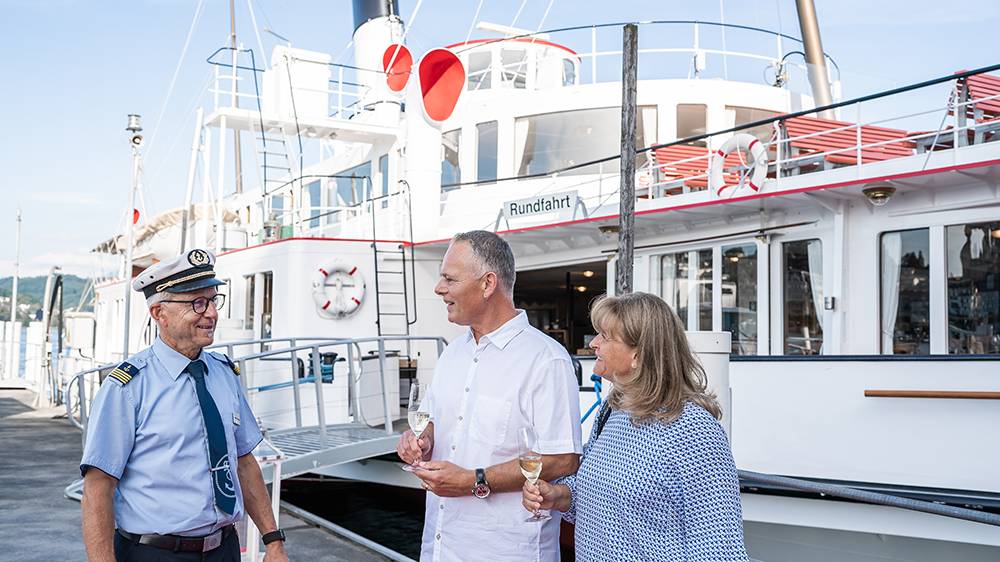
<point>198,258</point>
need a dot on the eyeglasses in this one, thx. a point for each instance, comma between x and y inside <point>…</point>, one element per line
<point>200,304</point>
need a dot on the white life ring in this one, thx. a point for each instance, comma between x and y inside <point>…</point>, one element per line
<point>338,290</point>
<point>747,143</point>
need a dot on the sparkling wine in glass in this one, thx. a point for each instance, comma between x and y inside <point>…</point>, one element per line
<point>417,418</point>
<point>530,461</point>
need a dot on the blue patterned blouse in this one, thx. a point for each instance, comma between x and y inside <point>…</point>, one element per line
<point>657,492</point>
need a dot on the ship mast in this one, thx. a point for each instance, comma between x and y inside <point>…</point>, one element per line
<point>236,132</point>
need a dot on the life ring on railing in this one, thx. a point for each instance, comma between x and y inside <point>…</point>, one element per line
<point>748,144</point>
<point>338,290</point>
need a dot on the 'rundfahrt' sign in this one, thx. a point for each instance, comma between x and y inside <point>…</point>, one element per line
<point>559,203</point>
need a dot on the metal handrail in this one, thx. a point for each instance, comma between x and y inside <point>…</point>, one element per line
<point>78,380</point>
<point>868,497</point>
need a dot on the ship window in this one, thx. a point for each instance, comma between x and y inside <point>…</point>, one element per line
<point>803,296</point>
<point>313,189</point>
<point>277,208</point>
<point>486,151</point>
<point>226,289</point>
<point>691,121</point>
<point>552,141</point>
<point>739,296</point>
<point>352,186</point>
<point>267,307</point>
<point>568,73</point>
<point>905,295</point>
<point>479,71</point>
<point>744,115</point>
<point>451,172</point>
<point>974,288</point>
<point>682,288</point>
<point>383,172</point>
<point>514,67</point>
<point>248,298</point>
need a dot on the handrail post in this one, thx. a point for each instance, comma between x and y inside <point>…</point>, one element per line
<point>857,115</point>
<point>295,388</point>
<point>354,385</point>
<point>593,54</point>
<point>82,388</point>
<point>320,406</point>
<point>385,394</point>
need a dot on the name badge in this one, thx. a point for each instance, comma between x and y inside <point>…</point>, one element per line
<point>236,419</point>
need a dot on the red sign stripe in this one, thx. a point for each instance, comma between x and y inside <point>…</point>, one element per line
<point>325,306</point>
<point>323,271</point>
<point>351,272</point>
<point>356,301</point>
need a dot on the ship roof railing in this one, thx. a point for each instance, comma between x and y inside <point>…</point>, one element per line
<point>682,53</point>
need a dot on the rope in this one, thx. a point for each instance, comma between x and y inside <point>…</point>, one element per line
<point>177,70</point>
<point>518,14</point>
<point>474,18</point>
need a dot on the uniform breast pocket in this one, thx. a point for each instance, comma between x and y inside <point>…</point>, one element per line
<point>490,419</point>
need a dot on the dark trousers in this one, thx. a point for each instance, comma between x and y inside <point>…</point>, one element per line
<point>127,551</point>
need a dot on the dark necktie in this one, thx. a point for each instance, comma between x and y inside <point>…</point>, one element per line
<point>222,479</point>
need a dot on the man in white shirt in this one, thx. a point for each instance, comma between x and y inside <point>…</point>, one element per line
<point>500,376</point>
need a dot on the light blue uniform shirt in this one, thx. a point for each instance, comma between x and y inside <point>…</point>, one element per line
<point>149,434</point>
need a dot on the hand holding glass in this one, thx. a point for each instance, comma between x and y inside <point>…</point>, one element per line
<point>417,419</point>
<point>530,461</point>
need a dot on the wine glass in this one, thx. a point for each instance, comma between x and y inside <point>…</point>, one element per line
<point>530,461</point>
<point>417,418</point>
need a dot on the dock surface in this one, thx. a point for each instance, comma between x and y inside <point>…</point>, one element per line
<point>39,524</point>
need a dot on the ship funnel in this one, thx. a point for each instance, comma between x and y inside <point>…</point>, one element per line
<point>377,26</point>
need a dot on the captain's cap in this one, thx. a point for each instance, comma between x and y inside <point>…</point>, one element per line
<point>187,272</point>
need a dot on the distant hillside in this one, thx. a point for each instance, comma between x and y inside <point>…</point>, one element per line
<point>31,291</point>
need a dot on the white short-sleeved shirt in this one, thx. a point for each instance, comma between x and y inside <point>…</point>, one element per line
<point>481,395</point>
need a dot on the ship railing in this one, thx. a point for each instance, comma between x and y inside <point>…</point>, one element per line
<point>81,388</point>
<point>343,94</point>
<point>336,220</point>
<point>831,144</point>
<point>668,49</point>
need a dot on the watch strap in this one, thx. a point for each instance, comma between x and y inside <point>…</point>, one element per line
<point>268,538</point>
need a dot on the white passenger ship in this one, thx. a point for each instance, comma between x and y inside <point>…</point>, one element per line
<point>853,255</point>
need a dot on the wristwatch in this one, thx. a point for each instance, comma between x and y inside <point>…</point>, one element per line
<point>269,538</point>
<point>482,488</point>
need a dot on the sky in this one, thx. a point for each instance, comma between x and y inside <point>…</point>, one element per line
<point>73,69</point>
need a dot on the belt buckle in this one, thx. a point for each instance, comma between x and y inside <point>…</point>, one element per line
<point>212,541</point>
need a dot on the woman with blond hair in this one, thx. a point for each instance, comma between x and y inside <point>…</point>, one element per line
<point>657,479</point>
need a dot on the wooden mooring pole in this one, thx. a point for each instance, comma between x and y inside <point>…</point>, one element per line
<point>626,213</point>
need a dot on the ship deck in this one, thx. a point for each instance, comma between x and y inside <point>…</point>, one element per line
<point>42,456</point>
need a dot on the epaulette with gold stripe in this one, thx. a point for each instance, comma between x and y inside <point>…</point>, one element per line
<point>124,372</point>
<point>232,365</point>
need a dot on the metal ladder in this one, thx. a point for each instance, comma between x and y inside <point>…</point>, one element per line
<point>392,281</point>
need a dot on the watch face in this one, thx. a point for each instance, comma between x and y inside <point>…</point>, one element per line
<point>481,490</point>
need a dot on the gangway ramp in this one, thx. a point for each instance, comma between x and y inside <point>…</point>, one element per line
<point>306,450</point>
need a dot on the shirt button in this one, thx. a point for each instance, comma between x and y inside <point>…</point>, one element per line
<point>466,389</point>
<point>452,447</point>
<point>460,418</point>
<point>475,360</point>
<point>441,506</point>
<point>438,536</point>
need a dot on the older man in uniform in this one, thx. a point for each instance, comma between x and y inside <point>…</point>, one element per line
<point>168,427</point>
<point>500,376</point>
